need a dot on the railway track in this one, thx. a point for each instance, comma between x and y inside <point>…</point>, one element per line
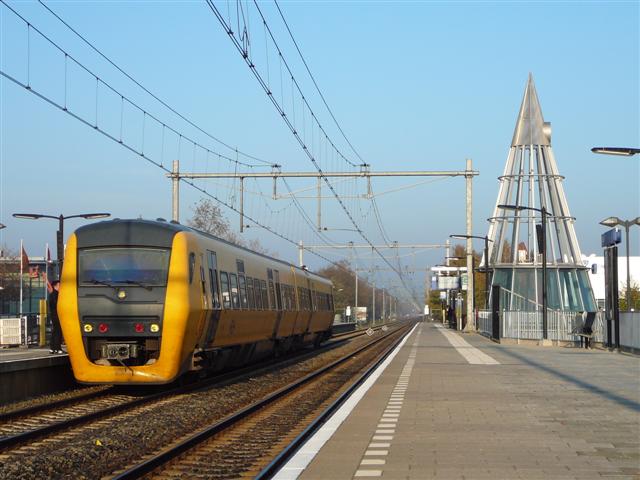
<point>29,422</point>
<point>117,426</point>
<point>20,426</point>
<point>257,439</point>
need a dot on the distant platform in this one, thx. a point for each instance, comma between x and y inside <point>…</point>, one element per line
<point>27,372</point>
<point>454,406</point>
<point>17,358</point>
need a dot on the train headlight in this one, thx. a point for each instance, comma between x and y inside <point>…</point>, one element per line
<point>122,294</point>
<point>154,327</point>
<point>139,328</point>
<point>88,328</point>
<point>103,328</point>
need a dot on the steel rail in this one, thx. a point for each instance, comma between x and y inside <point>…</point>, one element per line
<point>150,464</point>
<point>288,452</point>
<point>23,412</point>
<point>218,380</point>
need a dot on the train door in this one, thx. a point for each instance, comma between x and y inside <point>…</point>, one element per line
<point>242,285</point>
<point>278,290</point>
<point>214,314</point>
<point>312,305</point>
<point>274,296</point>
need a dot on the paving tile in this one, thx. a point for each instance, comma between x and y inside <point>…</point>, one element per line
<point>541,413</point>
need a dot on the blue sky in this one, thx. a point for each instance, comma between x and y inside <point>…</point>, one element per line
<point>414,85</point>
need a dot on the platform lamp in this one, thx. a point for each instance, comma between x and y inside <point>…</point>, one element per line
<point>543,244</point>
<point>614,222</point>
<point>486,262</point>
<point>60,232</point>
<point>623,151</point>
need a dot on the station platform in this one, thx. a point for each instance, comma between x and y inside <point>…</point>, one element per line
<point>453,406</point>
<point>18,356</point>
<point>27,372</point>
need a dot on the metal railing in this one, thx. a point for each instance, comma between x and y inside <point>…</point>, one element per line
<point>528,325</point>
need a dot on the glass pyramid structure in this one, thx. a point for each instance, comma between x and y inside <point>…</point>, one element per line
<point>531,179</point>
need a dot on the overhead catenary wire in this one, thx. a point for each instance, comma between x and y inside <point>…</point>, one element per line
<point>95,124</point>
<point>146,156</point>
<point>180,115</point>
<point>118,93</point>
<point>315,83</point>
<point>247,58</point>
<point>146,90</point>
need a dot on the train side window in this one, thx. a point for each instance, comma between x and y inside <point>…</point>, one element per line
<point>272,296</point>
<point>250,295</point>
<point>265,298</point>
<point>256,287</point>
<point>240,265</point>
<point>192,266</point>
<point>287,298</point>
<point>235,300</point>
<point>244,303</point>
<point>226,297</point>
<point>284,300</point>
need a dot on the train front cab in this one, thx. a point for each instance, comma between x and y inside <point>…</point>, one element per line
<point>99,316</point>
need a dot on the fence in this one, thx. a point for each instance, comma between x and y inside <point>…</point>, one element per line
<point>12,330</point>
<point>630,329</point>
<point>528,325</point>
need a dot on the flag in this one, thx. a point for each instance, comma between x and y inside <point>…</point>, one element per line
<point>24,261</point>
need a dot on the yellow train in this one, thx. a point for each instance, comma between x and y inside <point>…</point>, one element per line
<point>147,301</point>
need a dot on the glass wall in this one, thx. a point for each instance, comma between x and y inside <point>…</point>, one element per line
<point>567,289</point>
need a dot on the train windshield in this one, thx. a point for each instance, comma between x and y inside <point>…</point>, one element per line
<point>133,266</point>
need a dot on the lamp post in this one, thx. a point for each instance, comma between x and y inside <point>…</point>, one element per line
<point>543,213</point>
<point>60,233</point>
<point>486,263</point>
<point>614,222</point>
<point>623,151</point>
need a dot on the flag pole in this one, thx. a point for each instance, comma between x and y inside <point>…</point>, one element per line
<point>21,270</point>
<point>46,271</point>
<point>45,307</point>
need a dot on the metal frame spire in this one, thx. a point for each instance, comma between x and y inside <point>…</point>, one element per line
<point>531,179</point>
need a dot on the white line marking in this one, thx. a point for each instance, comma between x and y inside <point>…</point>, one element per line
<point>368,473</point>
<point>376,452</point>
<point>310,449</point>
<point>470,353</point>
<point>379,445</point>
<point>373,461</point>
<point>385,431</point>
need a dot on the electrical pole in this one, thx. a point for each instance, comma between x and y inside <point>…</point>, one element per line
<point>175,180</point>
<point>471,323</point>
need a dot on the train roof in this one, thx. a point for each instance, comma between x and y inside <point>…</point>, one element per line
<point>155,233</point>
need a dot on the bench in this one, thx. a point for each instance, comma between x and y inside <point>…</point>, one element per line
<point>584,329</point>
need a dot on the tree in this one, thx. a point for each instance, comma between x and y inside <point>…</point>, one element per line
<point>343,278</point>
<point>208,217</point>
<point>435,304</point>
<point>634,297</point>
<point>9,278</point>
